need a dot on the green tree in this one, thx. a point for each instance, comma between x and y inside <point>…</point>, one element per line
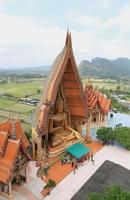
<point>38,91</point>
<point>122,136</point>
<point>105,134</point>
<point>110,193</point>
<point>118,87</point>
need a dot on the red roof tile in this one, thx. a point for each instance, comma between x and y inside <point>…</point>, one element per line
<point>8,160</point>
<point>3,139</point>
<point>94,97</point>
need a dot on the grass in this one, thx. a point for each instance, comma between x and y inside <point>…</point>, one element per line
<point>108,83</point>
<point>21,89</point>
<point>36,96</point>
<point>13,106</point>
<point>2,118</point>
<point>31,90</point>
<point>26,126</point>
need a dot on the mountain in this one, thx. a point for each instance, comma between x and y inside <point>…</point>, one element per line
<point>30,70</point>
<point>104,67</point>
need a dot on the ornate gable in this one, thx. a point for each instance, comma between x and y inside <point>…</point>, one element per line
<point>64,76</point>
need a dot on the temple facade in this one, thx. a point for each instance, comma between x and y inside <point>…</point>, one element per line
<point>62,110</point>
<point>14,155</point>
<point>65,107</point>
<point>98,106</point>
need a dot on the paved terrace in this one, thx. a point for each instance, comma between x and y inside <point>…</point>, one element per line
<point>71,183</point>
<point>67,188</point>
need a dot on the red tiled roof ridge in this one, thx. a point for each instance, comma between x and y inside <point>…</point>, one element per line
<point>94,96</point>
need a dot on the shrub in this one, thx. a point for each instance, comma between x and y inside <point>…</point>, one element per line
<point>51,183</point>
<point>120,135</point>
<point>105,134</point>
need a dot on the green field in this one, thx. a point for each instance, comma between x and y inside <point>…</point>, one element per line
<point>108,83</point>
<point>9,101</point>
<point>34,89</point>
<point>36,96</point>
<point>22,89</point>
<point>13,106</point>
<point>2,118</point>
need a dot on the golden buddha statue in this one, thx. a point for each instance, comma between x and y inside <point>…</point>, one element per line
<point>59,124</point>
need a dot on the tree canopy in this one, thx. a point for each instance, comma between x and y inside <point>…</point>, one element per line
<point>120,135</point>
<point>110,193</point>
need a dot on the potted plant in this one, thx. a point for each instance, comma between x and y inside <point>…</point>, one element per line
<point>48,187</point>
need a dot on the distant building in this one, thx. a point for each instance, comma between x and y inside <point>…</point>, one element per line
<point>14,155</point>
<point>98,106</point>
<point>28,101</point>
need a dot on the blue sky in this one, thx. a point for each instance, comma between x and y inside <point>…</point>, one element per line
<point>32,32</point>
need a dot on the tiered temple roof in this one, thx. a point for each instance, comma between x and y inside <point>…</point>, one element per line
<point>94,97</point>
<point>10,148</point>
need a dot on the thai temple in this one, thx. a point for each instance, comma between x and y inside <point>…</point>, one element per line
<point>14,155</point>
<point>63,111</point>
<point>65,107</point>
<point>98,106</point>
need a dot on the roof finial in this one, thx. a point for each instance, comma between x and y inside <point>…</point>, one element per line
<point>68,37</point>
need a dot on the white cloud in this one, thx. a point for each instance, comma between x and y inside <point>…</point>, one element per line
<point>86,20</point>
<point>107,37</point>
<point>22,38</point>
<point>26,42</point>
<point>89,46</point>
<point>122,20</point>
<point>119,21</point>
<point>2,3</point>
